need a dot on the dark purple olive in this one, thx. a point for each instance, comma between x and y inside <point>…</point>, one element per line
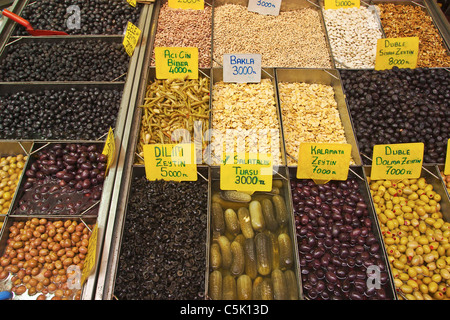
<point>331,277</point>
<point>374,248</point>
<point>354,295</point>
<point>320,286</point>
<point>102,158</point>
<point>69,159</point>
<point>318,253</point>
<point>30,173</point>
<point>86,184</point>
<point>307,286</point>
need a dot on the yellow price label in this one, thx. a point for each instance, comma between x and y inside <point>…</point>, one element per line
<point>323,162</point>
<point>447,159</point>
<point>132,3</point>
<point>247,172</point>
<point>397,52</point>
<point>91,255</point>
<point>337,4</point>
<point>176,62</point>
<point>131,38</point>
<point>187,4</point>
<point>176,162</point>
<point>109,149</point>
<point>397,161</point>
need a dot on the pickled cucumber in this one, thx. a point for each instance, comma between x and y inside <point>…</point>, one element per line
<point>215,258</point>
<point>279,285</point>
<point>286,254</point>
<point>245,223</point>
<point>269,215</point>
<point>250,258</point>
<point>266,289</point>
<point>291,285</point>
<point>215,285</point>
<point>280,209</point>
<point>229,288</point>
<point>218,221</point>
<point>238,262</point>
<point>231,222</point>
<point>244,287</point>
<point>257,288</point>
<point>236,196</point>
<point>256,216</point>
<point>225,250</point>
<point>263,254</point>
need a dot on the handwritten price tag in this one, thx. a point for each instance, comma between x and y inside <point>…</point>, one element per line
<point>323,161</point>
<point>175,162</point>
<point>187,4</point>
<point>247,172</point>
<point>90,260</point>
<point>397,52</point>
<point>265,7</point>
<point>447,159</point>
<point>337,4</point>
<point>109,149</point>
<point>242,68</point>
<point>131,38</point>
<point>397,161</point>
<point>132,3</point>
<point>176,63</point>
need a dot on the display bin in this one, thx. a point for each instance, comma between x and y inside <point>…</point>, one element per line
<point>433,11</point>
<point>13,148</point>
<point>138,171</point>
<point>326,77</point>
<point>22,5</point>
<point>129,84</point>
<point>321,5</point>
<point>431,175</point>
<point>9,88</point>
<point>288,227</point>
<point>111,40</point>
<point>149,77</point>
<point>102,205</point>
<point>6,283</point>
<point>87,210</point>
<point>356,173</point>
<point>286,5</point>
<point>441,168</point>
<point>154,31</point>
<point>266,73</point>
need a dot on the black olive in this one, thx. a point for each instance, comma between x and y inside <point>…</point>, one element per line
<point>405,105</point>
<point>163,243</point>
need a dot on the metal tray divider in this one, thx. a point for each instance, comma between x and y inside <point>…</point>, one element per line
<point>125,160</point>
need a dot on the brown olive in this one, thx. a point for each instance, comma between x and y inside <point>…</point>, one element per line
<point>20,290</point>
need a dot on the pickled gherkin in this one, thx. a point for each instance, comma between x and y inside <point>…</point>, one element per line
<point>254,255</point>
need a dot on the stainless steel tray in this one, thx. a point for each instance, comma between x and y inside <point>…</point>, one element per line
<point>137,172</point>
<point>8,222</point>
<point>286,5</point>
<point>116,40</point>
<point>431,9</point>
<point>281,175</point>
<point>327,77</point>
<point>358,174</point>
<point>266,73</point>
<point>7,88</point>
<point>10,148</point>
<point>432,176</point>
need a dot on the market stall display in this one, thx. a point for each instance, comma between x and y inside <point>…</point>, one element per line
<point>413,218</point>
<point>196,240</point>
